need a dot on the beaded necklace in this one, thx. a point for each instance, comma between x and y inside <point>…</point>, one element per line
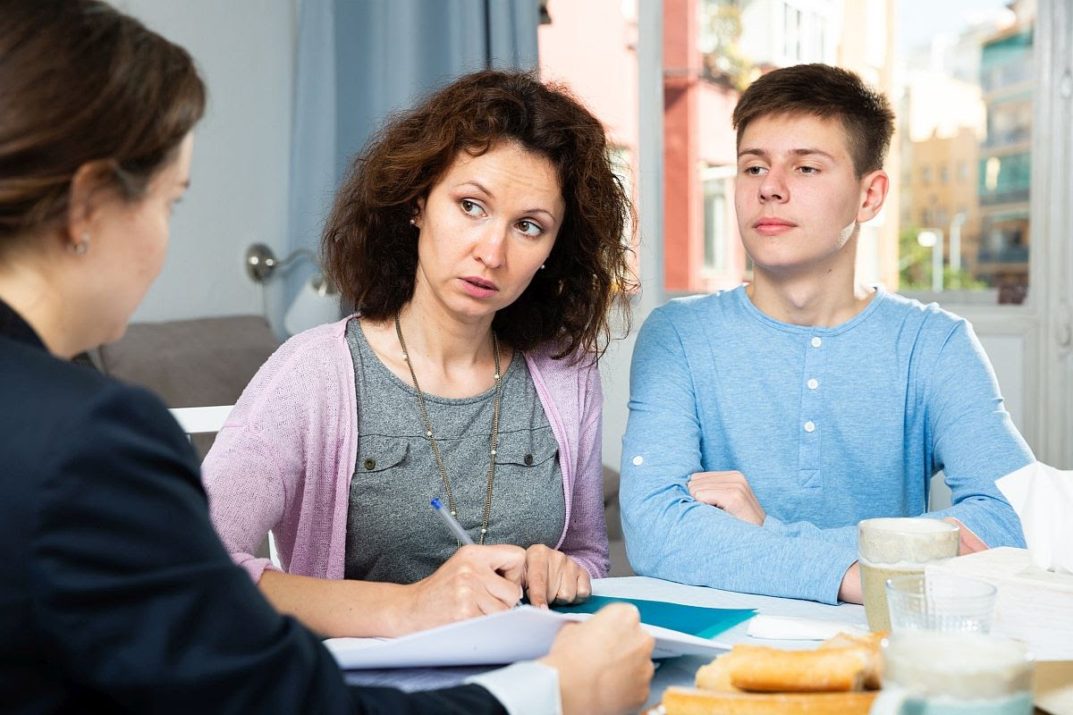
<point>493,438</point>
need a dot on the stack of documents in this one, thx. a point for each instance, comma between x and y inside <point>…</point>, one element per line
<point>1033,605</point>
<point>525,633</point>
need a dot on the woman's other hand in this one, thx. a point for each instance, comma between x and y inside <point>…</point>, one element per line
<point>553,577</point>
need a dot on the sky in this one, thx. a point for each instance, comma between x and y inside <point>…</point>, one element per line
<point>918,20</point>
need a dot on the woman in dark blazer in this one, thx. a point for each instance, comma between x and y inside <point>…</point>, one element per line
<point>117,594</point>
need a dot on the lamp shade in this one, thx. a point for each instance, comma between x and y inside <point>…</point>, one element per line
<point>316,303</point>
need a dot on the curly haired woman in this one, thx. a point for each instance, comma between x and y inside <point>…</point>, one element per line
<point>480,239</point>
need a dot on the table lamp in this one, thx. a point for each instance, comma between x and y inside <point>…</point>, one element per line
<point>316,303</point>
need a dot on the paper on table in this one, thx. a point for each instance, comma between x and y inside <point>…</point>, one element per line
<point>1032,605</point>
<point>521,633</point>
<point>805,629</point>
<point>694,620</point>
<point>1042,496</point>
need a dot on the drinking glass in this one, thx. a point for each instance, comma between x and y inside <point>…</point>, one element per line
<point>949,604</point>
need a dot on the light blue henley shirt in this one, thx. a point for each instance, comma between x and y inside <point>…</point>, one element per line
<point>829,425</point>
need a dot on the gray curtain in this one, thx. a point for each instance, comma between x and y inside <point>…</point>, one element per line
<point>360,60</point>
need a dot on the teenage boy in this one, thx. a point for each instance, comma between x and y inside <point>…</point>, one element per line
<point>766,421</point>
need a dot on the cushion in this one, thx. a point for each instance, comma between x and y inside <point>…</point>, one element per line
<point>191,363</point>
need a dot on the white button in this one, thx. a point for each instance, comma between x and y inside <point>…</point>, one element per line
<point>810,426</point>
<point>813,383</point>
<point>817,342</point>
<point>638,461</point>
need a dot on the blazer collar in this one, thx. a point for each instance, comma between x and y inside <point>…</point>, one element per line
<point>12,326</point>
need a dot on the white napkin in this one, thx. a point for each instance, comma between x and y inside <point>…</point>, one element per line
<point>1042,496</point>
<point>789,628</point>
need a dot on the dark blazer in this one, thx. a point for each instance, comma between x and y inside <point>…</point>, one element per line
<point>116,593</point>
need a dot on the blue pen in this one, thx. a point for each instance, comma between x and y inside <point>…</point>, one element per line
<point>456,528</point>
<point>451,522</point>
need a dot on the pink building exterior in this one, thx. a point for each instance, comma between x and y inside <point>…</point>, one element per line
<point>697,138</point>
<point>591,47</point>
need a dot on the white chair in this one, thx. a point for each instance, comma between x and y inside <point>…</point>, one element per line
<point>205,420</point>
<point>201,420</point>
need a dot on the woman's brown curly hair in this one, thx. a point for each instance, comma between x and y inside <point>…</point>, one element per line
<point>370,247</point>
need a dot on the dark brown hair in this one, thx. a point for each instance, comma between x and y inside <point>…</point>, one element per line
<point>81,82</point>
<point>827,92</point>
<point>370,248</point>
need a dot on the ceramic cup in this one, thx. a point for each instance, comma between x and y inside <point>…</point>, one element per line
<point>954,673</point>
<point>893,547</point>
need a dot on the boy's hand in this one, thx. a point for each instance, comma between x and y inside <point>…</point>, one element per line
<point>729,491</point>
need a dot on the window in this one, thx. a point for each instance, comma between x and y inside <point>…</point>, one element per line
<point>718,219</point>
<point>961,83</point>
<point>960,80</point>
<point>966,108</point>
<point>791,33</point>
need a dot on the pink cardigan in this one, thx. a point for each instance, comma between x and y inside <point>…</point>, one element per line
<point>284,458</point>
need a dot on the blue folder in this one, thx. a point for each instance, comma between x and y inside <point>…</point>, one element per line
<point>694,620</point>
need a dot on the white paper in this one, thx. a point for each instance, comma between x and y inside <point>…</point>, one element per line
<point>1032,605</point>
<point>521,633</point>
<point>1042,496</point>
<point>805,629</point>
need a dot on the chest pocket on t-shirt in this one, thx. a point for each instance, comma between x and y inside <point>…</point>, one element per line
<point>527,449</point>
<point>529,505</point>
<point>377,454</point>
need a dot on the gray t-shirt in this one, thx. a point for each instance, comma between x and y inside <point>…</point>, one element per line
<point>393,534</point>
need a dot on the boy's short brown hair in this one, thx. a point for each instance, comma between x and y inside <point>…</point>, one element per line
<point>826,92</point>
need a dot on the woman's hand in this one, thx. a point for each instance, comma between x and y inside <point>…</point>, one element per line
<point>475,581</point>
<point>553,577</point>
<point>729,491</point>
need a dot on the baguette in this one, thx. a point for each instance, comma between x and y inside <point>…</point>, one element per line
<point>690,701</point>
<point>873,673</point>
<point>716,675</point>
<point>771,670</point>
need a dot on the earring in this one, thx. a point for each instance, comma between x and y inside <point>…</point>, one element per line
<point>82,246</point>
<point>413,222</point>
<point>542,266</point>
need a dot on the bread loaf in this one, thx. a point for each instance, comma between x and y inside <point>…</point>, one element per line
<point>690,701</point>
<point>870,642</point>
<point>770,670</point>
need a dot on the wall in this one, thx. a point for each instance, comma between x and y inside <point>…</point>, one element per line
<point>239,180</point>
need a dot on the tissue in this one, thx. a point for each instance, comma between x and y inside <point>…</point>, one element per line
<point>1042,496</point>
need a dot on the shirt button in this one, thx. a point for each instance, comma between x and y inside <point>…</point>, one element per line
<point>816,341</point>
<point>528,460</point>
<point>370,464</point>
<point>638,461</point>
<point>813,383</point>
<point>810,426</point>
